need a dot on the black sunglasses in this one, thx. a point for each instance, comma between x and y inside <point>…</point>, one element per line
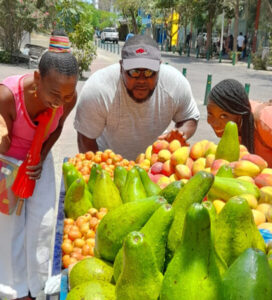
<point>136,73</point>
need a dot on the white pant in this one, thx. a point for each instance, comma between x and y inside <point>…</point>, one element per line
<point>25,241</point>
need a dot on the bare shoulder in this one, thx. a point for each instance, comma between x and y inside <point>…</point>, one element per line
<point>7,104</point>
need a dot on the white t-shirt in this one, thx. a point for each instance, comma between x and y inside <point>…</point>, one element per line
<point>240,40</point>
<point>107,113</point>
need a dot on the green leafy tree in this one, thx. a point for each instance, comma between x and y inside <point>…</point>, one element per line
<point>105,19</point>
<point>19,16</point>
<point>78,18</point>
<point>129,9</point>
<point>68,14</point>
<point>83,48</point>
<point>211,9</point>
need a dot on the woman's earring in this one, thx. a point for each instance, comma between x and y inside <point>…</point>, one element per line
<point>35,92</point>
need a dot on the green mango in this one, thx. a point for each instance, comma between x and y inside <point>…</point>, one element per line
<point>133,189</point>
<point>92,290</point>
<point>105,192</point>
<point>225,171</point>
<point>193,191</point>
<point>235,230</point>
<point>155,231</point>
<point>228,147</point>
<point>119,222</point>
<point>120,176</point>
<point>70,174</point>
<point>78,200</point>
<point>171,190</point>
<point>151,188</point>
<point>88,269</point>
<point>224,188</point>
<point>140,277</point>
<point>93,176</point>
<point>248,278</point>
<point>194,273</point>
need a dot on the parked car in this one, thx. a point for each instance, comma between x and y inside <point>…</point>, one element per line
<point>110,34</point>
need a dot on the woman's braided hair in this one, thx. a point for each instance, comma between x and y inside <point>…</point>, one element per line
<point>230,95</point>
<point>65,63</point>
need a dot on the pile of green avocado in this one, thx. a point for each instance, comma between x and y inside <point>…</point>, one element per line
<point>168,244</point>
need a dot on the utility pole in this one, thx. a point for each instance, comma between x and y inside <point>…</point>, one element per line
<point>254,44</point>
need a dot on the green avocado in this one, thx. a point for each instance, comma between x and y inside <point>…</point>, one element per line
<point>105,192</point>
<point>249,277</point>
<point>228,147</point>
<point>156,231</point>
<point>133,189</point>
<point>171,190</point>
<point>235,230</point>
<point>151,188</point>
<point>140,277</point>
<point>117,223</point>
<point>70,174</point>
<point>193,191</point>
<point>194,272</point>
<point>78,200</point>
<point>88,269</point>
<point>92,290</point>
<point>94,171</point>
<point>225,171</point>
<point>120,176</point>
<point>225,188</point>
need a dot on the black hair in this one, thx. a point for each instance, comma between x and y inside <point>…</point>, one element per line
<point>230,95</point>
<point>64,63</point>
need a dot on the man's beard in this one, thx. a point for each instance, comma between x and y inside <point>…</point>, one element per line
<point>130,92</point>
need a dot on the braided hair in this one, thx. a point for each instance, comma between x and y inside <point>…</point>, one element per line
<point>230,95</point>
<point>63,62</point>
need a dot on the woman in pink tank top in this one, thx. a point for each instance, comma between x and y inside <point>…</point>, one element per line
<point>25,255</point>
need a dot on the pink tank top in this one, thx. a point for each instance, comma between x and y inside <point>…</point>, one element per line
<point>23,128</point>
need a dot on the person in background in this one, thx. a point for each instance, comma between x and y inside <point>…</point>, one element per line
<point>230,44</point>
<point>244,53</point>
<point>228,101</point>
<point>199,41</point>
<point>26,239</point>
<point>240,42</point>
<point>188,38</point>
<point>126,106</point>
<point>129,35</point>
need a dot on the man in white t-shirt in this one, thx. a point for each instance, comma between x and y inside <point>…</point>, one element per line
<point>240,41</point>
<point>127,106</point>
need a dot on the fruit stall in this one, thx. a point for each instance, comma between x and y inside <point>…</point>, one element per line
<point>179,222</point>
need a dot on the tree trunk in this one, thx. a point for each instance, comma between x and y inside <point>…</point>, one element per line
<point>134,22</point>
<point>209,36</point>
<point>236,23</point>
<point>254,45</point>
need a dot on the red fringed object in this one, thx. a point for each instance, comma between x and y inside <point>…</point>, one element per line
<point>23,187</point>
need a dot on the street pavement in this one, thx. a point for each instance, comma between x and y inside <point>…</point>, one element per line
<point>197,72</point>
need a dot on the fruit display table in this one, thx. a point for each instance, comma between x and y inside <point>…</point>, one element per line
<point>197,216</point>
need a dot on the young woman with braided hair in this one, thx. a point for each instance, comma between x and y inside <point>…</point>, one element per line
<point>26,239</point>
<point>228,101</point>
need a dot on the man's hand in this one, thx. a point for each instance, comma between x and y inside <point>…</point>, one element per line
<point>174,134</point>
<point>34,172</point>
